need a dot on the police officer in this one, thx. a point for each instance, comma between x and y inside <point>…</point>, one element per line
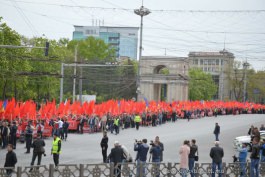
<point>117,125</point>
<point>56,150</point>
<point>28,136</point>
<point>137,120</point>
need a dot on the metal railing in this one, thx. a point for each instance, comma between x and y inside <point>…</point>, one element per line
<point>126,170</point>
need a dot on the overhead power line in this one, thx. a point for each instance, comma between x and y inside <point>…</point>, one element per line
<point>128,9</point>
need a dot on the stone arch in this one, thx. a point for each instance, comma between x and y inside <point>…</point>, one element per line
<point>161,69</point>
<point>163,78</point>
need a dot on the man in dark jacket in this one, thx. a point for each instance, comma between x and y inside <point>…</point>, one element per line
<point>38,150</point>
<point>13,135</point>
<point>4,135</point>
<point>157,140</point>
<point>255,156</point>
<point>28,135</point>
<point>193,151</point>
<point>104,146</point>
<point>217,153</point>
<point>11,159</point>
<point>65,129</point>
<point>216,131</point>
<point>116,156</point>
<point>142,149</point>
<point>155,152</point>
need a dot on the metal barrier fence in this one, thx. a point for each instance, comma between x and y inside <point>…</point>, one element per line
<point>126,170</point>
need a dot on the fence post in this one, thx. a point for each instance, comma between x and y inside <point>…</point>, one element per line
<point>141,169</point>
<point>19,171</point>
<point>169,169</point>
<point>196,170</point>
<point>51,170</point>
<point>111,169</point>
<point>249,168</point>
<point>81,170</point>
<point>223,170</point>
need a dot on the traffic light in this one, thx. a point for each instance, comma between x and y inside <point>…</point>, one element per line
<point>46,51</point>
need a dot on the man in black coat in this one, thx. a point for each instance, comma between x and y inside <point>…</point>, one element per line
<point>13,135</point>
<point>216,131</point>
<point>11,159</point>
<point>104,146</point>
<point>217,153</point>
<point>38,150</point>
<point>4,135</point>
<point>116,156</point>
<point>28,135</point>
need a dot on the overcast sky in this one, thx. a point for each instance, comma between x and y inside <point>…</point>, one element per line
<point>173,28</point>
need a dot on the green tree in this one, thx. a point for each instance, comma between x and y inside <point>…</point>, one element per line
<point>201,85</point>
<point>92,50</point>
<point>45,72</point>
<point>256,86</point>
<point>11,64</point>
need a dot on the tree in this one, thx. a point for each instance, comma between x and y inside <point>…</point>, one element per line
<point>256,86</point>
<point>201,85</point>
<point>92,50</point>
<point>11,64</point>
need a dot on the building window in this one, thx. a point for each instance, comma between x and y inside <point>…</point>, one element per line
<point>217,61</point>
<point>195,62</point>
<point>201,61</point>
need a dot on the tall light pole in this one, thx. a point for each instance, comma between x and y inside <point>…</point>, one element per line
<point>141,12</point>
<point>245,66</point>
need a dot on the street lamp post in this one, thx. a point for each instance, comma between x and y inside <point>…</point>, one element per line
<point>141,12</point>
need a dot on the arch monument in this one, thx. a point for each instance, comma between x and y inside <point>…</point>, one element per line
<point>163,78</point>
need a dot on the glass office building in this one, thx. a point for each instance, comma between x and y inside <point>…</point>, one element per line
<point>123,39</point>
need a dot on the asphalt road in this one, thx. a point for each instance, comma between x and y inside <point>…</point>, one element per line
<point>86,149</point>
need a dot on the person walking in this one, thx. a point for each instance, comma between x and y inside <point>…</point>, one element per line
<point>13,135</point>
<point>184,158</point>
<point>28,136</point>
<point>242,157</point>
<point>255,156</point>
<point>193,151</point>
<point>56,150</point>
<point>104,146</point>
<point>137,120</point>
<point>142,150</point>
<point>11,160</point>
<point>217,153</point>
<point>38,150</point>
<point>216,131</point>
<point>116,156</point>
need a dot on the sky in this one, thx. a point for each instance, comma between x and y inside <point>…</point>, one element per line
<point>173,28</point>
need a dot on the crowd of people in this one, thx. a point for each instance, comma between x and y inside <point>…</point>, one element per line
<point>109,123</point>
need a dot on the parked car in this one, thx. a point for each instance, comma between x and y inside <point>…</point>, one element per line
<point>238,141</point>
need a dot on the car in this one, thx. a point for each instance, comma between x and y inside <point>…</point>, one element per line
<point>238,141</point>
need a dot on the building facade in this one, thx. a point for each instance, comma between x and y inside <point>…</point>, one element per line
<point>123,39</point>
<point>218,64</point>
